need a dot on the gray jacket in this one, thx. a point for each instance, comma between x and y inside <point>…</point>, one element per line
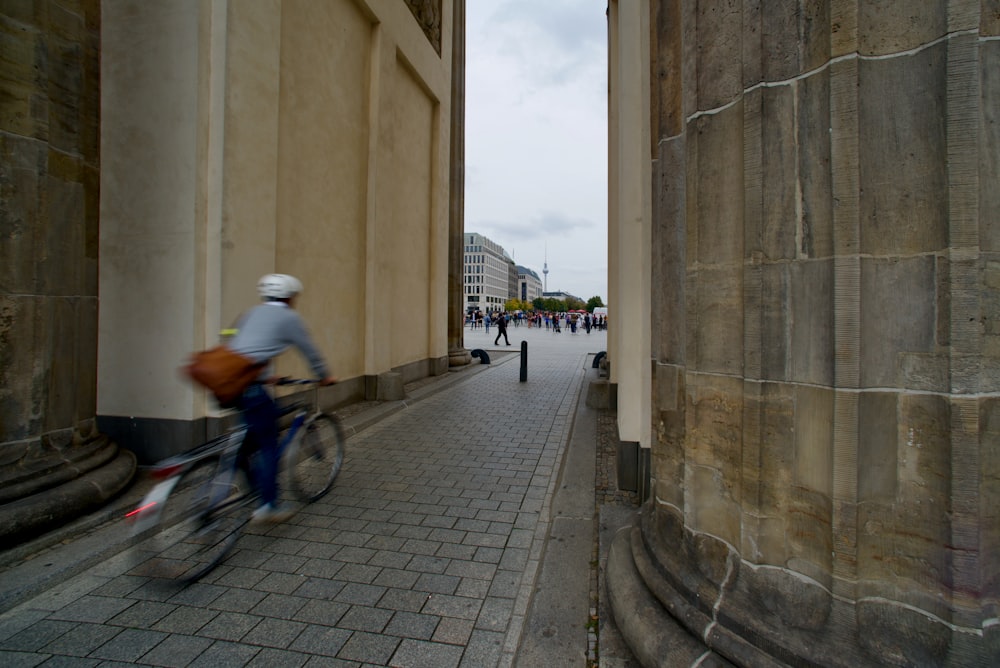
<point>269,329</point>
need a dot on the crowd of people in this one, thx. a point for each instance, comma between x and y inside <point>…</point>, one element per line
<point>556,322</point>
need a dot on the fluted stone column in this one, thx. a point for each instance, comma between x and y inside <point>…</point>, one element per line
<point>826,368</point>
<point>54,464</point>
<point>457,353</point>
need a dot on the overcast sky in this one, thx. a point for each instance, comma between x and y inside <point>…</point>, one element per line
<point>536,136</point>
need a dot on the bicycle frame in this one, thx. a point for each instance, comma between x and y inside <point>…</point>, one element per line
<point>226,448</point>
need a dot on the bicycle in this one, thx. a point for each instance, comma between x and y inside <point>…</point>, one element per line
<point>204,498</point>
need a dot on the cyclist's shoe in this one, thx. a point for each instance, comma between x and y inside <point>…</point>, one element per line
<point>270,514</point>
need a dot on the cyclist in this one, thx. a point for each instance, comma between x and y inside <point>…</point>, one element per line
<point>263,333</point>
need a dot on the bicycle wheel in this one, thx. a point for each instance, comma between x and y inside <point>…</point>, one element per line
<point>314,461</point>
<point>207,531</point>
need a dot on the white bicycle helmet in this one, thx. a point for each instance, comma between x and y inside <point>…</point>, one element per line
<point>278,286</point>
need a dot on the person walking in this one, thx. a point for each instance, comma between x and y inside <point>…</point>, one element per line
<point>263,333</point>
<point>501,329</point>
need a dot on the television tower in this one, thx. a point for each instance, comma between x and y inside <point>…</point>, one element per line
<point>545,268</point>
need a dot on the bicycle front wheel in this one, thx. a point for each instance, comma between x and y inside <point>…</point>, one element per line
<point>315,459</point>
<point>213,531</point>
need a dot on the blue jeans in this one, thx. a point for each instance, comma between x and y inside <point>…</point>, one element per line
<point>260,414</point>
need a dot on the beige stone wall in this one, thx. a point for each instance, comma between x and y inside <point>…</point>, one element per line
<point>281,135</point>
<point>825,367</point>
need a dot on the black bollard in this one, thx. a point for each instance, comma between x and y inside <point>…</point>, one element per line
<point>524,361</point>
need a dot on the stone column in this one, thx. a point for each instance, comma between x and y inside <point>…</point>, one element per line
<point>826,372</point>
<point>54,464</point>
<point>457,353</point>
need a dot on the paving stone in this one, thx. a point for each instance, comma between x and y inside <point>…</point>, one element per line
<point>428,564</point>
<point>514,559</point>
<point>453,631</point>
<point>437,584</point>
<point>321,568</point>
<point>452,606</point>
<point>321,588</point>
<point>363,618</point>
<point>471,569</point>
<point>36,636</point>
<point>225,654</point>
<point>284,563</point>
<point>25,659</point>
<point>121,586</point>
<point>403,599</point>
<point>369,648</point>
<point>467,524</point>
<point>505,584</point>
<point>238,600</point>
<point>485,539</point>
<point>495,614</point>
<point>421,654</point>
<point>412,625</point>
<point>280,582</point>
<point>129,645</point>
<point>229,626</point>
<point>322,640</point>
<point>92,609</point>
<point>472,588</point>
<point>272,632</point>
<point>279,605</point>
<point>177,651</point>
<point>358,573</point>
<point>325,613</point>
<point>276,658</point>
<point>391,577</point>
<point>360,594</point>
<point>142,615</point>
<point>246,578</point>
<point>185,620</point>
<point>483,650</point>
<point>68,662</point>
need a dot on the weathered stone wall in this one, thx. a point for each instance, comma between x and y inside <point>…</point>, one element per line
<point>49,190</point>
<point>825,286</point>
<point>54,465</point>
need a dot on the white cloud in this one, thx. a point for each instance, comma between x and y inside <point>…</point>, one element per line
<point>536,136</point>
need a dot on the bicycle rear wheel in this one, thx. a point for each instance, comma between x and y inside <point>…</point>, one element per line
<point>315,459</point>
<point>216,513</point>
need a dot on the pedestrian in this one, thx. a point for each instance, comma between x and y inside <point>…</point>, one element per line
<point>586,323</point>
<point>501,329</point>
<point>263,333</point>
<point>487,320</point>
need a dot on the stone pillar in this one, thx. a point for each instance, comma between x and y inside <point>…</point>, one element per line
<point>54,464</point>
<point>457,353</point>
<point>825,461</point>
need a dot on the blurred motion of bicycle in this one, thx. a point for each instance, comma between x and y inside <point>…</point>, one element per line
<point>205,497</point>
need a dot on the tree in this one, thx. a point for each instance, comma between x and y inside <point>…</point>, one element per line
<point>594,302</point>
<point>516,305</point>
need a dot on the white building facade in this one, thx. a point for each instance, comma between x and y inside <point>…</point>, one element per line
<point>529,286</point>
<point>487,274</point>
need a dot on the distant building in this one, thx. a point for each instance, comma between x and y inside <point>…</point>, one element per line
<point>489,273</point>
<point>529,286</point>
<point>560,295</point>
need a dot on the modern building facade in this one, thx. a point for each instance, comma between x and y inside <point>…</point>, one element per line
<point>488,274</point>
<point>529,286</point>
<point>804,242</point>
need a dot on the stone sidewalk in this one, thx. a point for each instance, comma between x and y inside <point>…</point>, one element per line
<point>461,532</point>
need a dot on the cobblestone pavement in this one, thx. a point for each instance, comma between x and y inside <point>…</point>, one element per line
<point>425,553</point>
